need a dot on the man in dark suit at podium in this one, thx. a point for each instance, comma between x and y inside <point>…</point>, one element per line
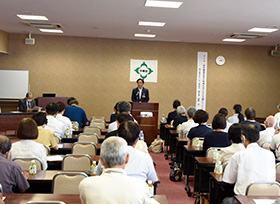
<point>140,94</point>
<point>27,104</point>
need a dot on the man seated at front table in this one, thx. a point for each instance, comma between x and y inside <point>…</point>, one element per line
<point>27,104</point>
<point>254,164</point>
<point>140,164</point>
<point>11,176</point>
<point>114,186</point>
<point>76,113</point>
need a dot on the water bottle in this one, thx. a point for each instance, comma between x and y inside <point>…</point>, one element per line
<point>163,119</point>
<point>215,155</point>
<point>141,135</point>
<point>196,143</point>
<point>218,168</point>
<point>32,168</point>
<point>67,133</point>
<point>151,188</point>
<point>93,168</point>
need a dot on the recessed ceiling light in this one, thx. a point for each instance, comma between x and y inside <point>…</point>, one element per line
<point>33,17</point>
<point>146,23</point>
<point>51,30</point>
<point>145,35</point>
<point>163,4</point>
<point>233,40</point>
<point>263,30</point>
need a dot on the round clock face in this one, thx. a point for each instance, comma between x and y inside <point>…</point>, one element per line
<point>220,60</point>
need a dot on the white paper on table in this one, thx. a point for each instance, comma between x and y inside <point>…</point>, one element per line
<point>153,201</point>
<point>4,197</point>
<point>60,145</point>
<point>55,158</point>
<point>263,201</point>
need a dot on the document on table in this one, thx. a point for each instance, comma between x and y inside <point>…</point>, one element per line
<point>153,201</point>
<point>55,158</point>
<point>60,145</point>
<point>264,201</point>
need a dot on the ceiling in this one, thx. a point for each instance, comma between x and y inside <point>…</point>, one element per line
<point>197,21</point>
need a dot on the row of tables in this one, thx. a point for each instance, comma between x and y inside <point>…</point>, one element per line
<point>194,163</point>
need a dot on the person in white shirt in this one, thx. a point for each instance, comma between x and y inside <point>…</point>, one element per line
<point>113,185</point>
<point>254,164</point>
<point>234,135</point>
<point>266,135</point>
<point>26,148</point>
<point>123,106</point>
<point>65,120</point>
<point>237,117</point>
<point>277,116</point>
<point>275,143</point>
<point>53,124</point>
<point>224,111</point>
<point>186,126</point>
<point>140,164</point>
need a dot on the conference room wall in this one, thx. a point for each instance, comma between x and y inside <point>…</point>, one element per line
<point>96,71</point>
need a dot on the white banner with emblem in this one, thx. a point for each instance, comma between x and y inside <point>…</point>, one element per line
<point>145,69</point>
<point>201,81</point>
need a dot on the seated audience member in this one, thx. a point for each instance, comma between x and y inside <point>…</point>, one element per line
<point>71,98</point>
<point>266,135</point>
<point>224,111</point>
<point>186,126</point>
<point>172,114</point>
<point>114,115</point>
<point>234,135</point>
<point>65,120</point>
<point>53,123</point>
<point>250,114</point>
<point>76,113</point>
<point>275,144</point>
<point>26,148</point>
<point>201,130</point>
<point>254,164</point>
<point>11,175</point>
<point>27,104</point>
<point>277,116</point>
<point>45,136</point>
<point>123,106</point>
<point>120,118</point>
<point>113,185</point>
<point>181,116</point>
<point>237,117</point>
<point>140,164</point>
<point>217,138</point>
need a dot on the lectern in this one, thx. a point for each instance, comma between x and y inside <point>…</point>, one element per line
<point>149,125</point>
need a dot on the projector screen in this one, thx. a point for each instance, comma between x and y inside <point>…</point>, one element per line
<point>14,84</point>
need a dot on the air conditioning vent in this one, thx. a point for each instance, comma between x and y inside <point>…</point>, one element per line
<point>246,36</point>
<point>42,25</point>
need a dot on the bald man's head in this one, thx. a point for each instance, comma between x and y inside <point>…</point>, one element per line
<point>269,121</point>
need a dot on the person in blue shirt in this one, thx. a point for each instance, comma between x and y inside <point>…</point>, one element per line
<point>76,113</point>
<point>250,114</point>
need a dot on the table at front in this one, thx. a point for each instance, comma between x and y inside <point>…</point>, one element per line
<point>203,166</point>
<point>67,149</point>
<point>173,135</point>
<point>188,162</point>
<point>180,142</point>
<point>219,189</point>
<point>19,198</point>
<point>250,199</point>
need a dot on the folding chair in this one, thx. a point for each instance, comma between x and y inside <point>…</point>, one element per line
<point>210,151</point>
<point>88,138</point>
<point>263,189</point>
<point>67,182</point>
<point>47,149</point>
<point>92,129</point>
<point>278,167</point>
<point>24,163</point>
<point>84,148</point>
<point>76,162</point>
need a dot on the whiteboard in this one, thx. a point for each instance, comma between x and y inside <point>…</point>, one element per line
<point>14,84</point>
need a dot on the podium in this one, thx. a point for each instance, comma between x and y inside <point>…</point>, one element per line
<point>149,125</point>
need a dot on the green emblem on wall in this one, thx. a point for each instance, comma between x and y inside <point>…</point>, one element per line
<point>143,70</point>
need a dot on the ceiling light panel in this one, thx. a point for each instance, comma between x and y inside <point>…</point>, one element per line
<point>233,40</point>
<point>146,23</point>
<point>33,17</point>
<point>145,35</point>
<point>163,4</point>
<point>263,30</point>
<point>51,30</point>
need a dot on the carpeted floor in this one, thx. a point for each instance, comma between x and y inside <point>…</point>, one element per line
<point>175,191</point>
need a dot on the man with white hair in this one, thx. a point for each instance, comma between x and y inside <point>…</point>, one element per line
<point>181,116</point>
<point>114,186</point>
<point>186,126</point>
<point>266,135</point>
